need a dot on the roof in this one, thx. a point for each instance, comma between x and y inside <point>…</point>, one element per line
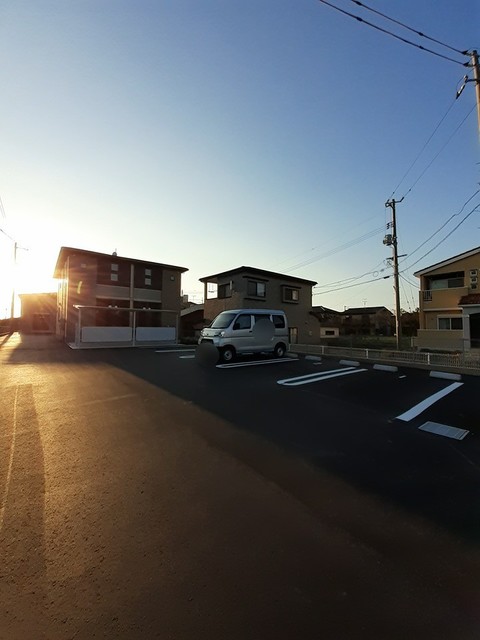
<point>258,273</point>
<point>66,252</point>
<point>445,263</point>
<point>364,310</point>
<point>192,309</point>
<point>321,309</point>
<point>471,298</point>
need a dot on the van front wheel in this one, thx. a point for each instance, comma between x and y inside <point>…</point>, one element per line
<point>279,350</point>
<point>227,354</point>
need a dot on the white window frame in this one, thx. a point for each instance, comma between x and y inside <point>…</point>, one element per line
<point>454,317</point>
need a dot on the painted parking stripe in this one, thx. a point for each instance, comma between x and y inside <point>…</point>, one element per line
<point>295,382</point>
<point>421,406</point>
<point>186,357</point>
<point>318,374</point>
<point>255,363</point>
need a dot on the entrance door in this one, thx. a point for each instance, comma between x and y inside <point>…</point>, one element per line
<point>475,330</point>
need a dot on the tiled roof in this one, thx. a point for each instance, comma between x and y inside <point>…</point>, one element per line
<point>472,298</point>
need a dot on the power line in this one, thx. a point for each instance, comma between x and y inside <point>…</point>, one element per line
<point>6,234</point>
<point>2,209</point>
<point>394,35</point>
<point>438,153</point>
<point>443,225</point>
<point>359,284</point>
<point>371,271</point>
<point>423,148</point>
<point>476,208</point>
<point>342,247</point>
<point>405,26</point>
<point>412,284</point>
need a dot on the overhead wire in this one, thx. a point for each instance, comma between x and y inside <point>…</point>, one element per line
<point>476,208</point>
<point>394,35</point>
<point>438,153</point>
<point>405,26</point>
<point>442,226</point>
<point>359,284</point>
<point>342,247</point>
<point>371,271</point>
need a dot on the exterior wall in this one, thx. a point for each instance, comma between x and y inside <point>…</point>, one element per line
<point>80,286</point>
<point>435,303</point>
<point>298,313</point>
<point>440,340</point>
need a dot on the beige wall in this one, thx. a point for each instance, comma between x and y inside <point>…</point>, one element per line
<point>446,340</point>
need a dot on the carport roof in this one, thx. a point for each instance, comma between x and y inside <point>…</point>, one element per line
<point>254,272</point>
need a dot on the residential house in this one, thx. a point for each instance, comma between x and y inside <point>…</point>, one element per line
<point>329,321</point>
<point>450,303</point>
<point>367,321</point>
<point>38,312</point>
<point>191,322</point>
<point>249,287</point>
<point>111,299</point>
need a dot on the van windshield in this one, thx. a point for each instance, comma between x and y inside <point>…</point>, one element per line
<point>223,320</point>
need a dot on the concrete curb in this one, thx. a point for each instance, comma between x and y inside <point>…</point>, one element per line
<point>445,375</point>
<point>385,367</point>
<point>350,363</point>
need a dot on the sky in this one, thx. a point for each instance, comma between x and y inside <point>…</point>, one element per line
<point>212,134</point>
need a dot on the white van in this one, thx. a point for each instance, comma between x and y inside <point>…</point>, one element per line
<point>247,331</point>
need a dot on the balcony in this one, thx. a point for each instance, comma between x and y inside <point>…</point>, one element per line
<point>441,298</point>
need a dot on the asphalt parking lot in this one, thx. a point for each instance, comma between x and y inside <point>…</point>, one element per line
<point>151,493</point>
<point>345,420</point>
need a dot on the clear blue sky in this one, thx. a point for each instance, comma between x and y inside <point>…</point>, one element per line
<point>213,133</point>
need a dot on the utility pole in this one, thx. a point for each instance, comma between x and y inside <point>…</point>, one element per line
<point>476,77</point>
<point>391,240</point>
<point>12,306</point>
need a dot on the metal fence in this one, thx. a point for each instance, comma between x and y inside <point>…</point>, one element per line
<point>467,360</point>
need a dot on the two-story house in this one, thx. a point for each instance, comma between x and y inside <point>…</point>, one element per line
<point>450,303</point>
<point>367,321</point>
<point>249,287</point>
<point>109,299</point>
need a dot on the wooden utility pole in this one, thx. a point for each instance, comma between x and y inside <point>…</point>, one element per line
<point>476,78</point>
<point>12,306</point>
<point>391,240</point>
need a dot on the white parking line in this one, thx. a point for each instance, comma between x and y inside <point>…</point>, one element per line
<point>254,363</point>
<point>318,377</point>
<point>421,406</point>
<point>186,357</point>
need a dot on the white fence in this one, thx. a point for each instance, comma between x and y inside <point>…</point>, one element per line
<point>120,326</point>
<point>468,360</point>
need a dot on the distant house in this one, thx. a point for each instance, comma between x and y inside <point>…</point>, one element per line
<point>249,287</point>
<point>38,312</point>
<point>329,321</point>
<point>109,299</point>
<point>367,321</point>
<point>450,303</point>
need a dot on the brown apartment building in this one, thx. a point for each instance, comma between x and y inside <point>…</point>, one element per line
<point>109,299</point>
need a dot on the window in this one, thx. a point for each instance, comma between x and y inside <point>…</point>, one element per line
<point>453,323</point>
<point>223,320</point>
<point>114,267</point>
<point>293,335</point>
<point>148,277</point>
<point>279,322</point>
<point>243,322</point>
<point>257,289</point>
<point>447,280</point>
<point>114,277</point>
<point>291,294</point>
<point>329,332</point>
<point>225,290</point>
